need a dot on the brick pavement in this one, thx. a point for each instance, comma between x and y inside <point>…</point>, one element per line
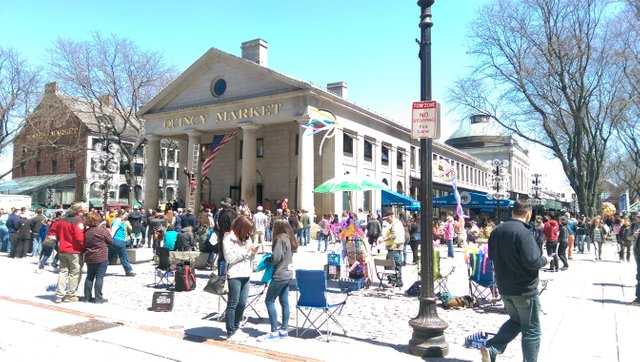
<point>582,305</point>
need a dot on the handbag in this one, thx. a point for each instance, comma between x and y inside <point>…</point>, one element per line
<point>218,285</point>
<point>50,241</point>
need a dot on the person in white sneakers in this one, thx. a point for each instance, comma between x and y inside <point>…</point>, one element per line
<point>239,252</point>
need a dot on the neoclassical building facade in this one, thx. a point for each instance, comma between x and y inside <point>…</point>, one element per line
<point>273,156</point>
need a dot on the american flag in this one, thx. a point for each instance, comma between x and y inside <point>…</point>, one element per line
<point>216,145</point>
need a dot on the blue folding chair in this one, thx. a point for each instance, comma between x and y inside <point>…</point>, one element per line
<point>312,286</point>
<point>482,281</point>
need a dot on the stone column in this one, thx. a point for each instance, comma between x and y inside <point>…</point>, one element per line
<point>358,155</point>
<point>152,172</point>
<point>248,185</point>
<point>183,180</point>
<point>194,140</point>
<point>376,197</point>
<point>338,170</point>
<point>393,180</point>
<point>306,169</point>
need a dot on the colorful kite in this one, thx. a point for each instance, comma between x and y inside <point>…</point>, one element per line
<point>447,173</point>
<point>322,120</point>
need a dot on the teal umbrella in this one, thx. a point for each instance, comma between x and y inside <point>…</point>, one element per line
<point>350,182</point>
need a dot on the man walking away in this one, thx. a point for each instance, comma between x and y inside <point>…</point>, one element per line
<point>36,225</point>
<point>70,234</point>
<point>517,260</point>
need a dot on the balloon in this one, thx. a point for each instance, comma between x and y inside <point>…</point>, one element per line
<point>608,209</point>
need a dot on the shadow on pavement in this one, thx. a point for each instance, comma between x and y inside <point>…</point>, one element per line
<point>614,285</point>
<point>200,334</point>
<point>609,301</point>
<point>49,297</point>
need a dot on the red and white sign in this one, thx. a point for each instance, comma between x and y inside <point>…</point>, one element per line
<point>424,120</point>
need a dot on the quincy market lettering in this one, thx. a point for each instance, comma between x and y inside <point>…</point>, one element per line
<point>232,115</point>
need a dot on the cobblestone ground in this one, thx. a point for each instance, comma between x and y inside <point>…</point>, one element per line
<point>368,318</point>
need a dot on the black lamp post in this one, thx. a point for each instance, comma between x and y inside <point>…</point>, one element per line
<point>428,329</point>
<point>535,199</point>
<point>499,182</point>
<point>106,161</point>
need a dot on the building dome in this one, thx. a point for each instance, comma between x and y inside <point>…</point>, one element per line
<point>478,131</point>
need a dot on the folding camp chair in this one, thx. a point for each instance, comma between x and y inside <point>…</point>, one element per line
<point>164,275</point>
<point>312,286</point>
<point>385,268</point>
<point>482,282</point>
<point>439,278</point>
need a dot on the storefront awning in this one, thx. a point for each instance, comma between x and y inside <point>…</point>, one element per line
<point>470,200</point>
<point>391,198</point>
<point>28,184</point>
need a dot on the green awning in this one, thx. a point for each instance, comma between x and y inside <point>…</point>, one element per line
<point>98,202</point>
<point>27,184</point>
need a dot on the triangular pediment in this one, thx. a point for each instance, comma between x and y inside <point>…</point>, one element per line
<point>243,79</point>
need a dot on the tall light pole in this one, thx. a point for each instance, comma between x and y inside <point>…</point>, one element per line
<point>428,329</point>
<point>534,197</point>
<point>499,183</point>
<point>106,161</point>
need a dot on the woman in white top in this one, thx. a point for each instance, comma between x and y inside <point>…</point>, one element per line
<point>238,253</point>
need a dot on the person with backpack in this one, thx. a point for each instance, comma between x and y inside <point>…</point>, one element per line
<point>284,245</point>
<point>239,252</point>
<point>563,242</point>
<point>135,219</point>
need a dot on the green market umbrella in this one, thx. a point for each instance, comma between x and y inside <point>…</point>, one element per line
<point>350,182</point>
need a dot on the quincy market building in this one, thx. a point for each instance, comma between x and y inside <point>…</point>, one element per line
<point>272,156</point>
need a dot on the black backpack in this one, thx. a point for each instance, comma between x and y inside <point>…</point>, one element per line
<point>185,278</point>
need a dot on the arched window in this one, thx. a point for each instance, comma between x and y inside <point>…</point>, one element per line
<point>384,181</point>
<point>137,191</point>
<point>123,191</point>
<point>95,190</point>
<point>399,187</point>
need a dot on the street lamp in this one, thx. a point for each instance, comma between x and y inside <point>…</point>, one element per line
<point>499,183</point>
<point>427,339</point>
<point>105,162</point>
<point>534,196</point>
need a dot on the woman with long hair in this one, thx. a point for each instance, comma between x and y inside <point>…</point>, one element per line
<point>563,242</point>
<point>239,252</point>
<point>283,247</point>
<point>597,236</point>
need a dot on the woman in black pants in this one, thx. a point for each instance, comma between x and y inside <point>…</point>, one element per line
<point>563,242</point>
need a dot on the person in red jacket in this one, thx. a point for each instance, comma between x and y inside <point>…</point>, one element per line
<point>70,234</point>
<point>551,229</point>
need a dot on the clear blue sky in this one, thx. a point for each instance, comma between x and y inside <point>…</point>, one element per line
<point>368,44</point>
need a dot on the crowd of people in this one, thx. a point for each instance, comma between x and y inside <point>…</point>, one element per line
<point>232,235</point>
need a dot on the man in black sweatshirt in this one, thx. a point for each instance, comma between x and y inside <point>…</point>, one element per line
<point>517,259</point>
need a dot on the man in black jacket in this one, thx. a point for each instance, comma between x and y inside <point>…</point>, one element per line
<point>517,260</point>
<point>223,225</point>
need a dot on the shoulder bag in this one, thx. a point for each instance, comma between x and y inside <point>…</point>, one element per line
<point>217,284</point>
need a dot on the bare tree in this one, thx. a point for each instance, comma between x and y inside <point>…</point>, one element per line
<point>627,170</point>
<point>115,78</point>
<point>19,84</point>
<point>546,70</point>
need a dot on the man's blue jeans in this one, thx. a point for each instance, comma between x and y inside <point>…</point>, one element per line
<point>322,238</point>
<point>119,248</point>
<point>238,294</point>
<point>5,245</point>
<point>523,318</point>
<point>306,235</point>
<point>450,248</point>
<point>580,242</point>
<point>37,245</point>
<point>278,289</point>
